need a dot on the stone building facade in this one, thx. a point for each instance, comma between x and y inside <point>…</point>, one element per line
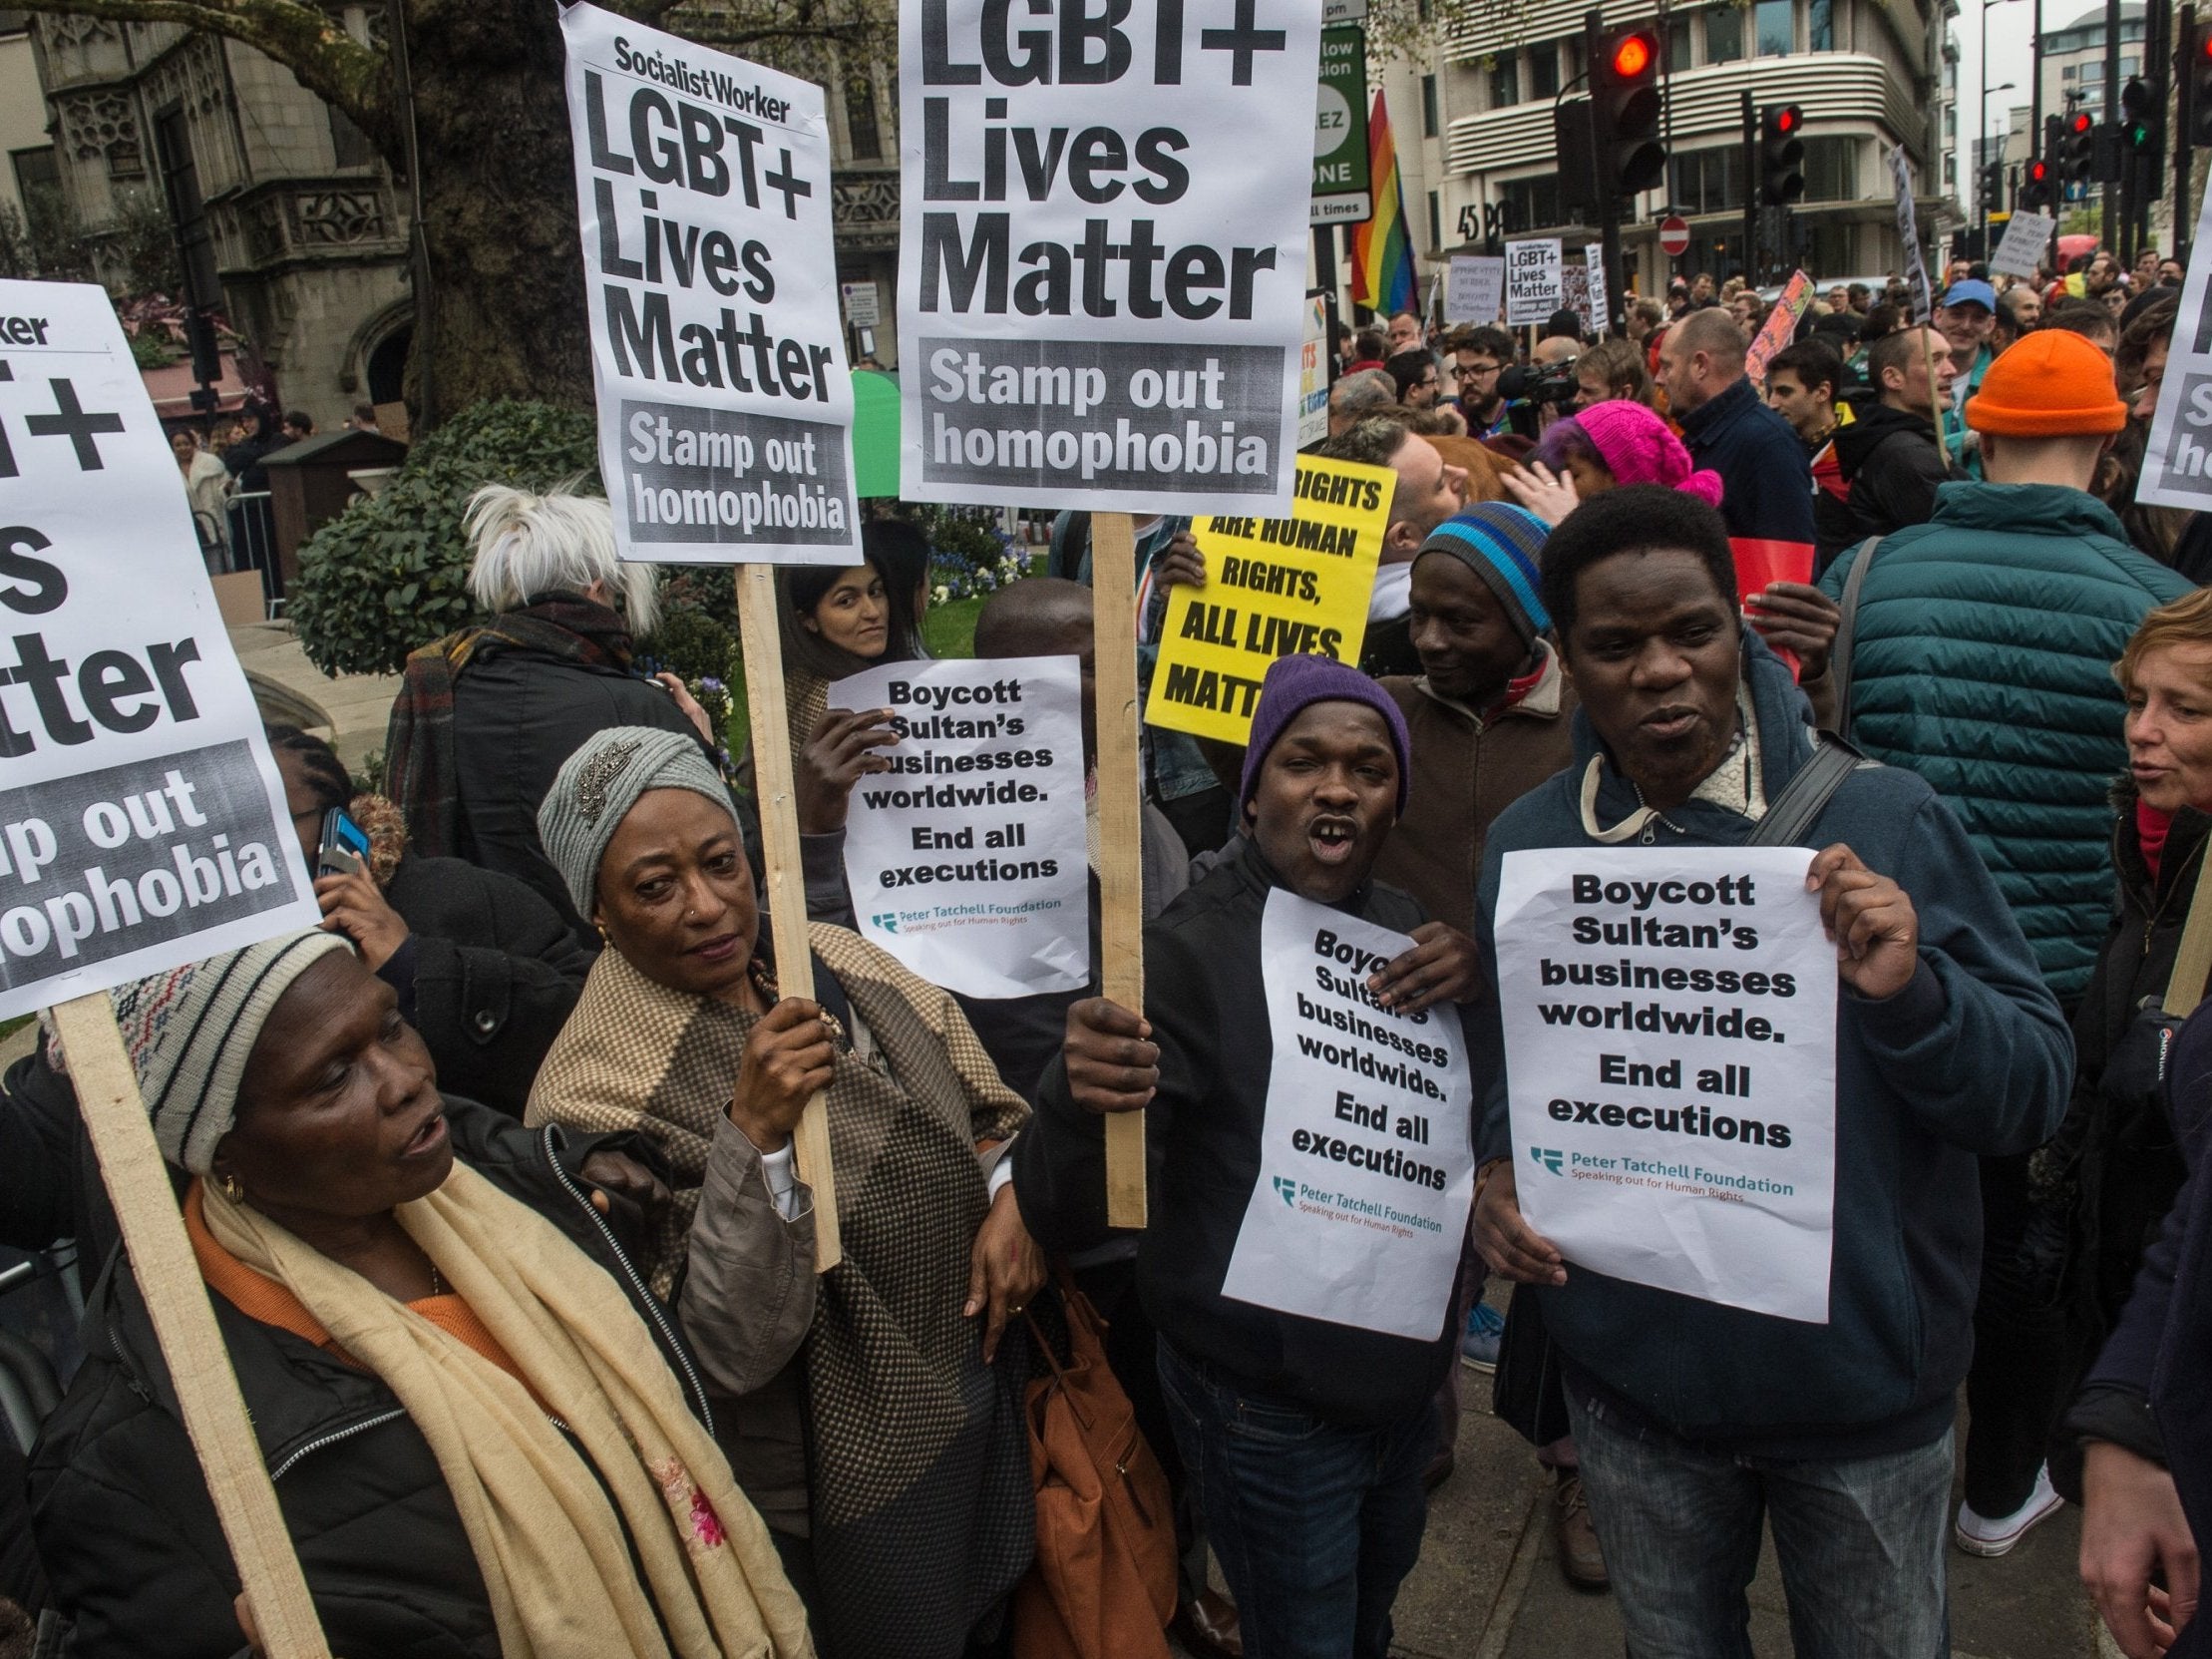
<point>310,232</point>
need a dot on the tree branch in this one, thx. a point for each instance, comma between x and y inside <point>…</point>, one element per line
<point>309,42</point>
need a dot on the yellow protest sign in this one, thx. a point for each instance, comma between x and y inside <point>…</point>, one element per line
<point>1273,588</point>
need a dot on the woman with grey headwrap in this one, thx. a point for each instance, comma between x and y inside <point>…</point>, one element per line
<point>883,1444</point>
<point>488,1438</point>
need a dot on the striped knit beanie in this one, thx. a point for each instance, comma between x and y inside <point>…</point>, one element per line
<point>1501,544</point>
<point>598,785</point>
<point>188,1033</point>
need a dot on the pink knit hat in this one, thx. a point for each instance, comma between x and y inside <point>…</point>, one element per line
<point>1637,448</point>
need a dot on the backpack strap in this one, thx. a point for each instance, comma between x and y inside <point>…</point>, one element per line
<point>2192,963</point>
<point>1807,794</point>
<point>1839,655</point>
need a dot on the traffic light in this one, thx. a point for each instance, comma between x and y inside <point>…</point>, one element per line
<point>2077,148</point>
<point>2034,186</point>
<point>2201,85</point>
<point>2140,109</point>
<point>1623,87</point>
<point>1992,187</point>
<point>1781,154</point>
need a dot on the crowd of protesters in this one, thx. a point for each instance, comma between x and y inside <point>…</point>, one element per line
<point>493,1178</point>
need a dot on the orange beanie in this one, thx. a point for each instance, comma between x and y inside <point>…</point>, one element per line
<point>2051,383</point>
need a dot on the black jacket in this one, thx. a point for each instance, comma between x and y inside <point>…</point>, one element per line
<point>1891,463</point>
<point>1766,480</point>
<point>1207,1006</point>
<point>516,715</point>
<point>122,1516</point>
<point>2129,1165</point>
<point>489,975</point>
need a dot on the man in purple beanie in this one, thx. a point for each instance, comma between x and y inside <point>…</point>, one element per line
<point>1307,1437</point>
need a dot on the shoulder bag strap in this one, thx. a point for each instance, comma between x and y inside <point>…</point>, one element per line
<point>1839,655</point>
<point>2193,962</point>
<point>1806,796</point>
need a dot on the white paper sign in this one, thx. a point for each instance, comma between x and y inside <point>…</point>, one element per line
<point>2027,242</point>
<point>725,404</point>
<point>1534,287</point>
<point>1907,235</point>
<point>1670,1056</point>
<point>2177,462</point>
<point>1593,261</point>
<point>1475,292</point>
<point>1103,252</point>
<point>966,860</point>
<point>1367,1159</point>
<point>142,822</point>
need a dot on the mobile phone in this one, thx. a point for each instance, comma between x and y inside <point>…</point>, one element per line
<point>344,850</point>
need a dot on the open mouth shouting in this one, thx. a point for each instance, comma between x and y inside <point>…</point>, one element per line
<point>1332,839</point>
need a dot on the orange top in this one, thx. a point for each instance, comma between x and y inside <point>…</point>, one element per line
<point>262,1299</point>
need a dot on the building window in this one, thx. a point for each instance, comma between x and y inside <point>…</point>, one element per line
<point>1831,169</point>
<point>1429,122</point>
<point>1505,82</point>
<point>1678,44</point>
<point>349,146</point>
<point>1724,33</point>
<point>1544,71</point>
<point>1820,26</point>
<point>2067,73</point>
<point>1776,25</point>
<point>1435,220</point>
<point>36,171</point>
<point>1707,180</point>
<point>1531,204</point>
<point>2131,66</point>
<point>860,116</point>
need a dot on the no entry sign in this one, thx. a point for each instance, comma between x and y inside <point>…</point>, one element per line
<point>1673,235</point>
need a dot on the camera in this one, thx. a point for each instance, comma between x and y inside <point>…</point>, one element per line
<point>1540,383</point>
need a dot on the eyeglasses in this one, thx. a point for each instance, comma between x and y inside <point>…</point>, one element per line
<point>1476,372</point>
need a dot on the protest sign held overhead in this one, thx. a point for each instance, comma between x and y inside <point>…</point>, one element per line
<point>725,405</point>
<point>1366,1158</point>
<point>1670,1020</point>
<point>1535,280</point>
<point>1475,290</point>
<point>2177,459</point>
<point>2026,245</point>
<point>1103,251</point>
<point>1594,263</point>
<point>1780,328</point>
<point>1273,588</point>
<point>142,822</point>
<point>966,860</point>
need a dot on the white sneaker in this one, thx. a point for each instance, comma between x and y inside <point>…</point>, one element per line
<point>1978,1537</point>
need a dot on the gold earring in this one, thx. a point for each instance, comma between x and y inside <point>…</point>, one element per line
<point>232,1189</point>
<point>603,938</point>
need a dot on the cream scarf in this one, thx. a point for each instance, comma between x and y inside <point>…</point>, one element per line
<point>549,1544</point>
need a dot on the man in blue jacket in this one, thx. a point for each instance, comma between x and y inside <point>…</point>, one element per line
<point>1693,1419</point>
<point>1765,476</point>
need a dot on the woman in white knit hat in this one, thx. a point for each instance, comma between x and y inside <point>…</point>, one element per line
<point>487,1438</point>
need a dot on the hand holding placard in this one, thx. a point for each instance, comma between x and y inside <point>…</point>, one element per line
<point>1872,921</point>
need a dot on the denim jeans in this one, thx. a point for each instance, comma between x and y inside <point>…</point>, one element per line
<point>1316,1523</point>
<point>1861,1543</point>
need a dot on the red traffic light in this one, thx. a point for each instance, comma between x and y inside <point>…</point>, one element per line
<point>1632,55</point>
<point>2205,47</point>
<point>1786,121</point>
<point>2080,123</point>
<point>2038,171</point>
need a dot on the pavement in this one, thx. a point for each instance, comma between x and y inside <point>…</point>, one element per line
<point>1488,1585</point>
<point>350,710</point>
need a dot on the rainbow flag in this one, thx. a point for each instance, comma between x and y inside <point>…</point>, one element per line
<point>1381,252</point>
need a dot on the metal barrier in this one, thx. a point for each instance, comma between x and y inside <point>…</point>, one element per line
<point>252,524</point>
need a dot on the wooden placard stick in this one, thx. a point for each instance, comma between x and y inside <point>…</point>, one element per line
<point>787,887</point>
<point>162,1258</point>
<point>1120,830</point>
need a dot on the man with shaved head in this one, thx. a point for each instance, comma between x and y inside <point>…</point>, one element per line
<point>1766,481</point>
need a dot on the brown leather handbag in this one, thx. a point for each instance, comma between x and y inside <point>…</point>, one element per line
<point>1103,1584</point>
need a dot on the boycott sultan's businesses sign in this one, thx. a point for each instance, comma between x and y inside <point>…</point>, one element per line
<point>725,406</point>
<point>1102,259</point>
<point>1670,1018</point>
<point>142,822</point>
